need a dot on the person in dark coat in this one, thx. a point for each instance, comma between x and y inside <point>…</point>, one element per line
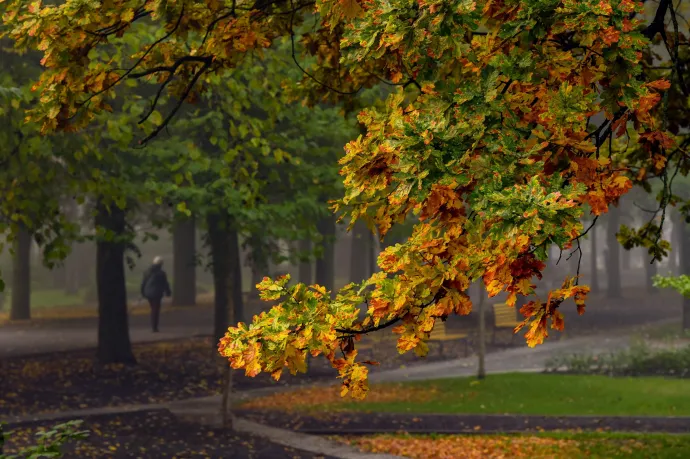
<point>153,287</point>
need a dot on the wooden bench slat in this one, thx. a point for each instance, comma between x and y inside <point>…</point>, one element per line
<point>504,316</point>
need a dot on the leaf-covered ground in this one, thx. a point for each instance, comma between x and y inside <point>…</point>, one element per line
<point>516,393</point>
<point>570,445</point>
<point>159,435</point>
<point>166,371</point>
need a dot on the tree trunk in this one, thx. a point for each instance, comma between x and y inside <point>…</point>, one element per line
<point>224,258</point>
<point>359,252</point>
<point>306,271</point>
<point>594,283</point>
<point>373,253</point>
<point>21,276</point>
<point>325,272</point>
<point>677,242</point>
<point>114,345</point>
<point>236,268</point>
<point>685,262</point>
<point>481,371</point>
<point>184,263</point>
<point>613,260</point>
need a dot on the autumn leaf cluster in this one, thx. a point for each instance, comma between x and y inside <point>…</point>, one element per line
<point>488,139</point>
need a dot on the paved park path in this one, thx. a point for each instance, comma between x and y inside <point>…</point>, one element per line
<point>43,336</point>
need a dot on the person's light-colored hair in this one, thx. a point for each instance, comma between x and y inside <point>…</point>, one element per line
<point>157,261</point>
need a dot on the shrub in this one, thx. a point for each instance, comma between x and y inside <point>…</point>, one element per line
<point>639,360</point>
<point>48,442</point>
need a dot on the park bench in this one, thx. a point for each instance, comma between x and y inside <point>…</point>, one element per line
<point>440,334</point>
<point>505,318</point>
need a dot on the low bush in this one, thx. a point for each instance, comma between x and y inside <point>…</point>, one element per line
<point>639,360</point>
<point>48,442</point>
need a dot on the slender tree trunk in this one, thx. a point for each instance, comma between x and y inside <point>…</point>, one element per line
<point>325,272</point>
<point>613,262</point>
<point>225,258</point>
<point>114,345</point>
<point>222,277</point>
<point>685,261</point>
<point>71,267</point>
<point>373,253</point>
<point>360,252</point>
<point>21,276</point>
<point>184,263</point>
<point>677,242</point>
<point>236,268</point>
<point>257,275</point>
<point>306,274</point>
<point>594,283</point>
<point>481,371</point>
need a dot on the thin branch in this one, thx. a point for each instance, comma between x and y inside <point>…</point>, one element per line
<point>294,59</point>
<point>388,323</point>
<point>139,61</point>
<point>177,106</point>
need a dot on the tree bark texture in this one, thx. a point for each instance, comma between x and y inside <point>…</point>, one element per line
<point>21,276</point>
<point>306,268</point>
<point>685,263</point>
<point>325,265</point>
<point>184,263</point>
<point>359,252</point>
<point>114,345</point>
<point>613,268</point>
<point>594,269</point>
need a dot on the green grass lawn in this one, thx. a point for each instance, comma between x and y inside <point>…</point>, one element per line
<point>513,393</point>
<point>51,298</point>
<point>551,445</point>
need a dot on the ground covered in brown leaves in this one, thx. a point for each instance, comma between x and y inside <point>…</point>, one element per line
<point>560,445</point>
<point>166,371</point>
<point>158,435</point>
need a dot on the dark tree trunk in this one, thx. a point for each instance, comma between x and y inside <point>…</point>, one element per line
<point>613,269</point>
<point>257,275</point>
<point>21,277</point>
<point>236,268</point>
<point>222,256</point>
<point>325,265</point>
<point>594,283</point>
<point>72,265</point>
<point>184,263</point>
<point>359,252</point>
<point>114,345</point>
<point>306,271</point>
<point>373,254</point>
<point>685,263</point>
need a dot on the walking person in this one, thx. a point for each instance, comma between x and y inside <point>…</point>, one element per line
<point>153,287</point>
